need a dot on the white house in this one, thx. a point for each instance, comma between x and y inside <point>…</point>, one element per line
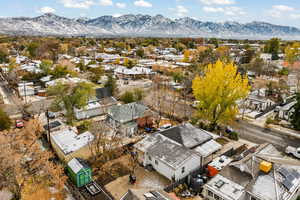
<point>26,89</point>
<point>167,157</point>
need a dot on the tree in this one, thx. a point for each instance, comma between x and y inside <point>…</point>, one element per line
<point>69,97</point>
<point>3,56</point>
<point>186,55</point>
<point>217,92</point>
<point>5,122</point>
<point>32,49</point>
<point>138,94</point>
<point>60,71</point>
<point>295,118</point>
<point>46,66</point>
<point>127,97</point>
<point>111,84</point>
<point>292,53</point>
<point>25,168</point>
<point>140,52</point>
<point>96,74</point>
<point>272,46</point>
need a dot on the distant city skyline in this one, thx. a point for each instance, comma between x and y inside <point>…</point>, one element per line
<point>282,12</point>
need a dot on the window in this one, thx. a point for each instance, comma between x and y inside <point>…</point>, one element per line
<point>156,162</point>
<point>183,170</point>
<point>150,158</point>
<point>210,193</point>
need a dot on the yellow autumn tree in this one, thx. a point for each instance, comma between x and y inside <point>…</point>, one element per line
<point>218,91</point>
<point>186,55</point>
<point>292,52</point>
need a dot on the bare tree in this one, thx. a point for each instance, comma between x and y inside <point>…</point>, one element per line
<point>24,165</point>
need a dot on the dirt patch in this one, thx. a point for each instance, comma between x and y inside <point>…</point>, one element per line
<point>112,170</point>
<point>145,179</point>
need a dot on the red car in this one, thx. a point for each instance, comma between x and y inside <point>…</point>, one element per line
<point>19,123</point>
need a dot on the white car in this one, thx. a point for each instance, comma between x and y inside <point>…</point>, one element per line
<point>293,151</point>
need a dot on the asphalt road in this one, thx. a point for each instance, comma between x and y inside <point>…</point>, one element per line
<point>261,135</point>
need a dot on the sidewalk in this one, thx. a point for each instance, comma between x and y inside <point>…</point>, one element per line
<point>282,130</point>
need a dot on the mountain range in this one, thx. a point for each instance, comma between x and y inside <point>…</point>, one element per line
<point>142,26</point>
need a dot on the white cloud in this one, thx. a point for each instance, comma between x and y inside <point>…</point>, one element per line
<point>212,9</point>
<point>121,5</point>
<point>295,16</point>
<point>181,11</point>
<point>106,2</point>
<point>143,3</point>
<point>217,2</point>
<point>78,3</point>
<point>278,10</point>
<point>231,10</point>
<point>282,8</point>
<point>117,15</point>
<point>47,9</point>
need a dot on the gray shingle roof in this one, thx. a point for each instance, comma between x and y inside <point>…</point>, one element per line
<point>127,112</point>
<point>165,150</point>
<point>187,135</point>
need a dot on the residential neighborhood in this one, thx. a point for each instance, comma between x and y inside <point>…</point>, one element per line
<point>149,118</point>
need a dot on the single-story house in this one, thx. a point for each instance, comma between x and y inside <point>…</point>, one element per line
<point>167,157</point>
<point>98,105</point>
<point>285,111</point>
<point>67,144</point>
<point>26,89</point>
<point>258,103</point>
<point>196,139</point>
<point>126,117</point>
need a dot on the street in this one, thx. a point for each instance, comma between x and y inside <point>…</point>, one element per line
<point>261,135</point>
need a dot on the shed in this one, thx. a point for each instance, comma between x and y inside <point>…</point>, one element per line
<point>79,172</point>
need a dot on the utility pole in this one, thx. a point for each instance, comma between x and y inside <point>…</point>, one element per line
<point>48,128</point>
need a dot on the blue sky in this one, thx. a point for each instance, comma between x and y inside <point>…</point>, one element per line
<point>284,12</point>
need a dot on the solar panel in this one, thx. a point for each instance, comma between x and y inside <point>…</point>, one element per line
<point>287,184</point>
<point>219,183</point>
<point>284,172</point>
<point>295,173</point>
<point>290,177</point>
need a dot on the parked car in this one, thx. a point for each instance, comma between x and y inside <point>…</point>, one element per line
<point>293,151</point>
<point>51,115</point>
<point>19,123</point>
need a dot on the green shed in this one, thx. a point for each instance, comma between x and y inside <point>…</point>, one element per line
<point>79,172</point>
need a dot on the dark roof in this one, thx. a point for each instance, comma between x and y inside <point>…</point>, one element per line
<point>102,93</point>
<point>127,112</point>
<point>52,125</point>
<point>165,150</point>
<point>187,135</point>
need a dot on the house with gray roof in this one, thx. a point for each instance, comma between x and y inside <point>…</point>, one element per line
<point>167,157</point>
<point>124,117</point>
<point>199,140</point>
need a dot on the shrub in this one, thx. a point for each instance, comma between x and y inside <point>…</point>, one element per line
<point>234,136</point>
<point>127,97</point>
<point>5,121</point>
